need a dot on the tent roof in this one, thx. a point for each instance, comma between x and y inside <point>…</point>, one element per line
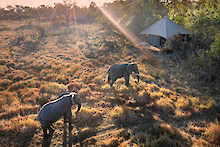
<point>165,28</point>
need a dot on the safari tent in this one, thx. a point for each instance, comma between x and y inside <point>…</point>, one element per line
<point>162,30</point>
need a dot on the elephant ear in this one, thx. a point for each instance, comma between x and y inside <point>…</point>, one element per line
<point>129,68</point>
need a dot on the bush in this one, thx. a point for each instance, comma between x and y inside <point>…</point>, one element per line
<point>215,46</point>
<point>123,116</point>
<point>31,46</point>
<point>52,88</point>
<point>84,92</point>
<point>4,83</point>
<point>3,70</point>
<point>164,141</point>
<point>88,117</point>
<point>18,85</point>
<point>213,133</point>
<point>8,98</point>
<point>142,98</point>
<point>75,85</point>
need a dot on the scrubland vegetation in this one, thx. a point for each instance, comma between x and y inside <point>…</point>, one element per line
<point>176,102</point>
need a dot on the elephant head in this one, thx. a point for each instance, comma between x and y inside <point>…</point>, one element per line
<point>132,67</point>
<point>75,98</point>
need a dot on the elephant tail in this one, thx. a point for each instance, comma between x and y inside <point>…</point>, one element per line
<point>106,74</point>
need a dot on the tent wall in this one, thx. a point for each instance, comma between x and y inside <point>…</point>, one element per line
<point>154,40</point>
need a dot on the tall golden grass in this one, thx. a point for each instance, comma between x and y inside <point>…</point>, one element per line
<point>149,112</point>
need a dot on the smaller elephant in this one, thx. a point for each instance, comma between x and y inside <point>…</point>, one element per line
<point>122,70</point>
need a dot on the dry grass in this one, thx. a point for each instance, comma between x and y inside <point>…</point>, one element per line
<point>20,124</point>
<point>8,98</point>
<point>52,88</point>
<point>84,92</point>
<point>88,117</point>
<point>123,116</point>
<point>113,142</point>
<point>164,141</point>
<point>4,84</point>
<point>75,85</point>
<point>213,133</point>
<point>149,112</point>
<point>18,109</point>
<point>18,85</point>
<point>3,70</point>
<point>142,97</point>
<point>29,95</point>
<point>199,105</point>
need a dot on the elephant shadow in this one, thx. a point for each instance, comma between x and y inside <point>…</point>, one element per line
<point>46,141</point>
<point>120,97</point>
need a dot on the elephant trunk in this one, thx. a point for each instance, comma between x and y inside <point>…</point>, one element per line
<point>78,102</point>
<point>138,77</point>
<point>79,107</point>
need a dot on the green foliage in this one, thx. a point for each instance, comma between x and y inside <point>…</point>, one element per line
<point>202,18</point>
<point>136,15</point>
<point>175,44</point>
<point>215,46</point>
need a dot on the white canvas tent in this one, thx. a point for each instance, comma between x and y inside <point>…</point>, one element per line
<point>163,28</point>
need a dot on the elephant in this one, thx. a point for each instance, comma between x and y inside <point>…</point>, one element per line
<point>54,110</point>
<point>122,70</point>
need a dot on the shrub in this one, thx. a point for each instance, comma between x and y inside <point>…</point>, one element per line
<point>213,133</point>
<point>75,85</point>
<point>113,142</point>
<point>175,44</point>
<point>88,117</point>
<point>18,109</point>
<point>52,88</point>
<point>182,102</point>
<point>215,46</point>
<point>72,69</point>
<point>4,83</point>
<point>18,130</point>
<point>3,70</point>
<point>31,46</point>
<point>84,92</point>
<point>146,78</point>
<point>17,41</point>
<point>123,116</point>
<point>18,85</point>
<point>156,95</point>
<point>43,99</point>
<point>99,80</point>
<point>18,75</point>
<point>164,141</point>
<point>142,97</point>
<point>29,95</point>
<point>85,133</point>
<point>8,98</point>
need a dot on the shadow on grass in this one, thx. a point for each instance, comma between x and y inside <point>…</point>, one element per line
<point>46,142</point>
<point>18,139</point>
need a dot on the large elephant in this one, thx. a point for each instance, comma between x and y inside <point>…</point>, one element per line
<point>54,110</point>
<point>122,70</point>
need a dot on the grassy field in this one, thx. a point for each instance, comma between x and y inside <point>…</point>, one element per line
<point>38,61</point>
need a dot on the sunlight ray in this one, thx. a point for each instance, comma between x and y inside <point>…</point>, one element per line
<point>129,35</point>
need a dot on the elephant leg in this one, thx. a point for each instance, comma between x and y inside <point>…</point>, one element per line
<point>45,132</point>
<point>113,81</point>
<point>109,79</point>
<point>51,130</point>
<point>70,134</point>
<point>127,77</point>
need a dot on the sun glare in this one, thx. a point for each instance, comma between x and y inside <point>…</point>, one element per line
<point>129,35</point>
